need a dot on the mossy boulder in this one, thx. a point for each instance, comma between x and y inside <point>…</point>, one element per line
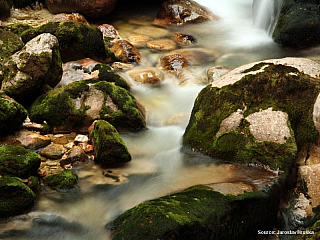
<point>78,104</point>
<point>16,161</point>
<point>15,197</point>
<point>9,43</point>
<point>108,144</point>
<point>198,213</point>
<point>298,24</point>
<point>12,115</point>
<point>230,119</point>
<point>76,40</point>
<point>66,180</point>
<point>17,28</point>
<point>28,72</point>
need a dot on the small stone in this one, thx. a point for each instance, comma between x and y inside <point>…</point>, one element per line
<point>64,17</point>
<point>81,139</point>
<point>125,51</point>
<point>89,149</point>
<point>173,63</point>
<point>121,66</point>
<point>53,151</point>
<point>32,140</point>
<point>162,45</point>
<point>152,76</point>
<point>109,31</point>
<point>69,145</point>
<point>73,155</point>
<point>139,40</point>
<point>183,39</point>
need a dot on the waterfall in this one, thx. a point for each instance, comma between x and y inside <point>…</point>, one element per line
<point>265,14</point>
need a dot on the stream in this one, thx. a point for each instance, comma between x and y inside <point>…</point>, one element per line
<point>159,165</point>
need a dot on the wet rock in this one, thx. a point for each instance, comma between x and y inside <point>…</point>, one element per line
<point>64,17</point>
<point>179,12</point>
<point>64,181</point>
<point>216,72</point>
<point>173,63</point>
<point>76,40</point>
<point>12,115</point>
<point>28,71</point>
<point>192,75</point>
<point>151,76</point>
<point>76,154</point>
<point>81,103</point>
<point>162,45</point>
<point>109,32</point>
<point>91,9</point>
<point>32,140</point>
<point>53,151</point>
<point>139,40</point>
<point>183,39</point>
<point>15,197</point>
<point>108,145</point>
<point>196,56</point>
<point>9,44</point>
<point>49,167</point>
<point>17,161</point>
<point>154,32</point>
<point>280,87</point>
<point>121,66</point>
<point>126,52</point>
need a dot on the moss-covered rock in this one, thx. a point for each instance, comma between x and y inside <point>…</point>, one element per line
<point>298,24</point>
<point>19,162</point>
<point>279,87</point>
<point>63,181</point>
<point>17,28</point>
<point>15,197</point>
<point>108,144</point>
<point>80,103</point>
<point>76,40</point>
<point>29,71</point>
<point>198,213</point>
<point>12,115</point>
<point>9,43</point>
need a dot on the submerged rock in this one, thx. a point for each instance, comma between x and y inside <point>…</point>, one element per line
<point>108,145</point>
<point>76,40</point>
<point>31,69</point>
<point>162,45</point>
<point>17,161</point>
<point>179,12</point>
<point>198,213</point>
<point>77,105</point>
<point>15,197</point>
<point>230,117</point>
<point>12,115</point>
<point>152,76</point>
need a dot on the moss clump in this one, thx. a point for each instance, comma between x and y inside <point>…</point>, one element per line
<point>17,28</point>
<point>11,43</point>
<point>65,180</point>
<point>76,40</point>
<point>108,75</point>
<point>19,162</point>
<point>198,213</point>
<point>15,197</point>
<point>281,87</point>
<point>12,115</point>
<point>108,144</point>
<point>128,115</point>
<point>298,24</point>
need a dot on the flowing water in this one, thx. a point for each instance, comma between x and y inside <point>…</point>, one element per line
<point>159,166</point>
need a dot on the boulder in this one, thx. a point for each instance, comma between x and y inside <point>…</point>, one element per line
<point>28,71</point>
<point>12,115</point>
<point>91,9</point>
<point>80,103</point>
<point>76,40</point>
<point>108,145</point>
<point>17,161</point>
<point>298,24</point>
<point>261,112</point>
<point>179,12</point>
<point>198,213</point>
<point>63,181</point>
<point>15,197</point>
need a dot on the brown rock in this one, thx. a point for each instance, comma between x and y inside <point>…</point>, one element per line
<point>109,31</point>
<point>151,31</point>
<point>64,17</point>
<point>121,66</point>
<point>173,63</point>
<point>162,45</point>
<point>126,51</point>
<point>73,155</point>
<point>32,140</point>
<point>139,40</point>
<point>89,8</point>
<point>183,39</point>
<point>152,76</point>
<point>179,12</point>
<point>53,151</point>
<point>196,56</point>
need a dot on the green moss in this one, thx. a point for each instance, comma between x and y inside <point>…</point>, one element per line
<point>11,43</point>
<point>18,162</point>
<point>15,197</point>
<point>17,28</point>
<point>198,213</point>
<point>65,180</point>
<point>76,40</point>
<point>34,184</point>
<point>12,115</point>
<point>280,87</point>
<point>108,144</point>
